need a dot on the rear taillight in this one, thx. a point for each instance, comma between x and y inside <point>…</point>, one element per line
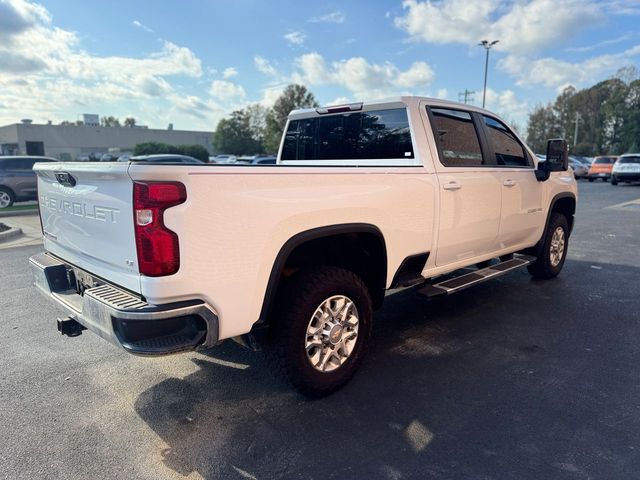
<point>157,246</point>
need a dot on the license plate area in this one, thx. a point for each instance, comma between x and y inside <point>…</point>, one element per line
<point>79,280</point>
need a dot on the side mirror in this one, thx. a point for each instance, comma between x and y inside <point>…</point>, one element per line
<point>557,159</point>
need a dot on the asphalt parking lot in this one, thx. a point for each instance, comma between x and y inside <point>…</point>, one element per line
<point>514,378</point>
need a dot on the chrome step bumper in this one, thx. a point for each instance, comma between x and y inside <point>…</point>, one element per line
<point>124,319</point>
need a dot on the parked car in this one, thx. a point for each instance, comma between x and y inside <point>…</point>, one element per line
<point>162,158</point>
<point>124,157</point>
<point>626,169</point>
<point>109,157</point>
<point>268,160</point>
<point>601,168</point>
<point>366,198</point>
<point>223,159</point>
<point>580,170</point>
<point>18,180</point>
<point>245,160</point>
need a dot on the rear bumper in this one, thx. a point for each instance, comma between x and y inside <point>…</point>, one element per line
<point>599,175</point>
<point>627,176</point>
<point>123,318</point>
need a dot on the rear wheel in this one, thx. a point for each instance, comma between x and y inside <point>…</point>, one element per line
<point>604,179</point>
<point>553,248</point>
<point>322,330</point>
<point>6,197</point>
<point>591,179</point>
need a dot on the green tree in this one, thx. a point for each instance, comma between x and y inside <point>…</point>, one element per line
<point>109,121</point>
<point>129,122</point>
<point>239,134</point>
<point>294,96</point>
<point>543,125</point>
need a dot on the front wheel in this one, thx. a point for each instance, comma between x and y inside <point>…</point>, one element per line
<point>614,181</point>
<point>6,197</point>
<point>553,249</point>
<point>322,329</point>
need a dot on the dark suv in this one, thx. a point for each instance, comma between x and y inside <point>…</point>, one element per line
<point>17,179</point>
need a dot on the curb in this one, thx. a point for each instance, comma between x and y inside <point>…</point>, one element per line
<point>10,234</point>
<point>18,213</point>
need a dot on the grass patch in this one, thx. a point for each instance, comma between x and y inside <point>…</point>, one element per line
<point>19,208</point>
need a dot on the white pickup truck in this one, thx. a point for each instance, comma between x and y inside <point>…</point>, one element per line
<point>295,257</point>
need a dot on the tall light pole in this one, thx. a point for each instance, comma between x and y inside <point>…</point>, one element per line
<point>487,46</point>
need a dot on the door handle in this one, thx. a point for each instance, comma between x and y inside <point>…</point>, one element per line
<point>452,186</point>
<point>509,183</point>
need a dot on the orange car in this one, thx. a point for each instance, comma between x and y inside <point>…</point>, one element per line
<point>601,168</point>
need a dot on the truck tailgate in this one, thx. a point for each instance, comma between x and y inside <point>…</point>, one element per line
<point>87,218</point>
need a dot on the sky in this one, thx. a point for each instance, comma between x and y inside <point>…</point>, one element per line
<point>191,63</point>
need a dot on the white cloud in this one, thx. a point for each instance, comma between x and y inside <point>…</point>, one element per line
<point>554,73</point>
<point>624,7</point>
<point>442,94</point>
<point>507,105</point>
<point>137,23</point>
<point>227,92</point>
<point>17,16</point>
<point>295,38</point>
<point>229,72</point>
<point>334,17</point>
<point>522,26</point>
<point>44,72</point>
<point>604,43</point>
<point>270,95</point>
<point>264,66</point>
<point>365,80</point>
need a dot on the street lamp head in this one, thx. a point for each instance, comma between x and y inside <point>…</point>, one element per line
<point>487,44</point>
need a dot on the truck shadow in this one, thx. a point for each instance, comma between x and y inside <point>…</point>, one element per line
<point>471,386</point>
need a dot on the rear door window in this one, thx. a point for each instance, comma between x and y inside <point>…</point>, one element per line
<point>19,164</point>
<point>457,138</point>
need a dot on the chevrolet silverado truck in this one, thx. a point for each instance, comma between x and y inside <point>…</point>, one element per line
<point>293,258</point>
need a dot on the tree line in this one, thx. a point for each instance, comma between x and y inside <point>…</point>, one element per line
<point>607,116</point>
<point>256,129</point>
<point>109,121</point>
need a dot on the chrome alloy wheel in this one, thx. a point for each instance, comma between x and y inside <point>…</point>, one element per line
<point>556,251</point>
<point>332,333</point>
<point>5,199</point>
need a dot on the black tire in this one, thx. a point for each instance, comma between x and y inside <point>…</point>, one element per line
<point>614,181</point>
<point>591,179</point>
<point>303,294</point>
<point>7,192</point>
<point>543,268</point>
<point>604,180</point>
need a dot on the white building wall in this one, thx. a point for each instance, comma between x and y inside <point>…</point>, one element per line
<point>82,140</point>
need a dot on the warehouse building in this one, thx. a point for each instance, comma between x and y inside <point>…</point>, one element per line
<point>70,142</point>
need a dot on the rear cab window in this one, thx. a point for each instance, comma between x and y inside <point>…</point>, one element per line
<point>378,137</point>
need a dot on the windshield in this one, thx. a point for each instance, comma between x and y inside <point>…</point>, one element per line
<point>605,160</point>
<point>630,159</point>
